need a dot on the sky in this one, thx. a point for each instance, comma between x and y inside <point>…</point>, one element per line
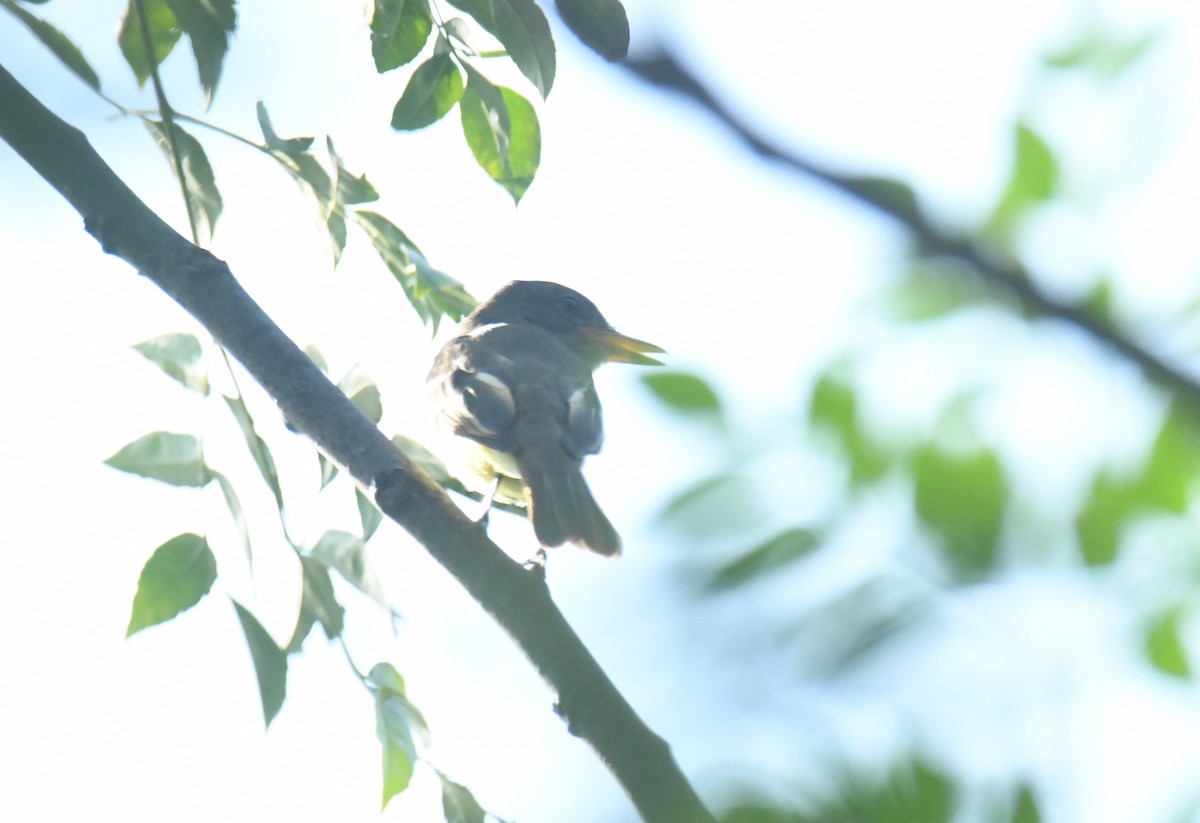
<point>653,212</point>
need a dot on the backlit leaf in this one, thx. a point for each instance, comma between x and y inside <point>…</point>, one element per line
<point>432,91</point>
<point>1101,522</point>
<point>351,189</point>
<point>172,458</point>
<point>368,514</point>
<point>256,445</point>
<point>601,24</point>
<point>363,393</point>
<point>458,804</point>
<point>208,25</point>
<point>346,553</point>
<point>290,145</point>
<point>179,356</point>
<point>683,392</point>
<point>234,504</point>
<point>395,721</point>
<point>319,600</point>
<point>780,551</point>
<point>1033,180</point>
<point>399,30</point>
<point>502,130</point>
<point>962,498</point>
<point>198,178</point>
<point>521,28</point>
<point>59,44</point>
<point>270,663</point>
<point>1164,647</point>
<point>432,294</point>
<point>175,578</point>
<point>1170,475</point>
<point>165,32</point>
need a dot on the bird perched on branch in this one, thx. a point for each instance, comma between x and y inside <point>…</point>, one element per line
<point>517,384</point>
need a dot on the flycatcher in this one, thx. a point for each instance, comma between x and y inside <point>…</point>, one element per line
<point>517,384</point>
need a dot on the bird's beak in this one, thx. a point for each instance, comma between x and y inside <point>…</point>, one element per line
<point>618,348</point>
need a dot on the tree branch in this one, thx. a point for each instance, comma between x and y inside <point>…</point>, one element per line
<point>663,70</point>
<point>592,707</point>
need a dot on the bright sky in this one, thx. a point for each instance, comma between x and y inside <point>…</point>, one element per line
<point>641,204</point>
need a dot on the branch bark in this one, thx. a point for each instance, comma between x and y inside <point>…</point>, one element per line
<point>663,70</point>
<point>519,600</point>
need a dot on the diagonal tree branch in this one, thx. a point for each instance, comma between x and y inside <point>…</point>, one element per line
<point>519,600</point>
<point>663,70</point>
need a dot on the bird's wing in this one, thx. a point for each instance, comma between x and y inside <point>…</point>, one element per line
<point>469,394</point>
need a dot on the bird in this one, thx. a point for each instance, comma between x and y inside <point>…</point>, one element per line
<point>515,387</point>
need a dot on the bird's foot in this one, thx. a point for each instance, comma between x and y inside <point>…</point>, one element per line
<point>537,564</point>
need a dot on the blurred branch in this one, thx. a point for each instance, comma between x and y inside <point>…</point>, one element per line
<point>518,600</point>
<point>663,70</point>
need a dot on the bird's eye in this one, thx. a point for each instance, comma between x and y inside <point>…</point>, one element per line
<point>570,306</point>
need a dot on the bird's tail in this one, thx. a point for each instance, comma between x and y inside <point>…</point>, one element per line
<point>563,510</point>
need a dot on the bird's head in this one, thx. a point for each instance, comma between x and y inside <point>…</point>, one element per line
<point>569,316</point>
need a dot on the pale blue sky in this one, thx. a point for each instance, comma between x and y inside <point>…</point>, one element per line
<point>640,201</point>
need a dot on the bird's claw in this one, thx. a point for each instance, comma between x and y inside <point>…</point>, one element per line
<point>537,564</point>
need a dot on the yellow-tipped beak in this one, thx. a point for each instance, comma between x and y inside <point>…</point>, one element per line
<point>621,349</point>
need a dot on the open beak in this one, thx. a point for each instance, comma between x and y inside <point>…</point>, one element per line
<point>621,349</point>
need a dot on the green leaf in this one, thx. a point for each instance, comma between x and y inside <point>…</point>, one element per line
<point>179,356</point>
<point>1034,179</point>
<point>431,293</point>
<point>335,224</point>
<point>962,498</point>
<point>256,445</point>
<point>173,458</point>
<point>432,91</point>
<point>395,721</point>
<point>1105,56</point>
<point>1100,522</point>
<point>351,189</point>
<point>458,804</point>
<point>208,25</point>
<point>346,554</point>
<point>684,392</point>
<point>1170,475</point>
<point>198,179</point>
<point>270,663</point>
<point>1164,647</point>
<point>237,513</point>
<point>314,354</point>
<point>318,602</point>
<point>164,34</point>
<point>399,30</point>
<point>329,469</point>
<point>368,514</point>
<point>1026,810</point>
<point>834,409</point>
<point>502,131</point>
<point>175,578</point>
<point>780,551</point>
<point>363,393</point>
<point>602,25</point>
<point>834,405</point>
<point>290,145</point>
<point>521,28</point>
<point>292,154</point>
<point>59,44</point>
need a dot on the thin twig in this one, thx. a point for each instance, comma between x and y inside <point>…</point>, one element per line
<point>167,114</point>
<point>663,70</point>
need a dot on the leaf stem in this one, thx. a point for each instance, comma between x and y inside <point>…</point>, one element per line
<point>168,117</point>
